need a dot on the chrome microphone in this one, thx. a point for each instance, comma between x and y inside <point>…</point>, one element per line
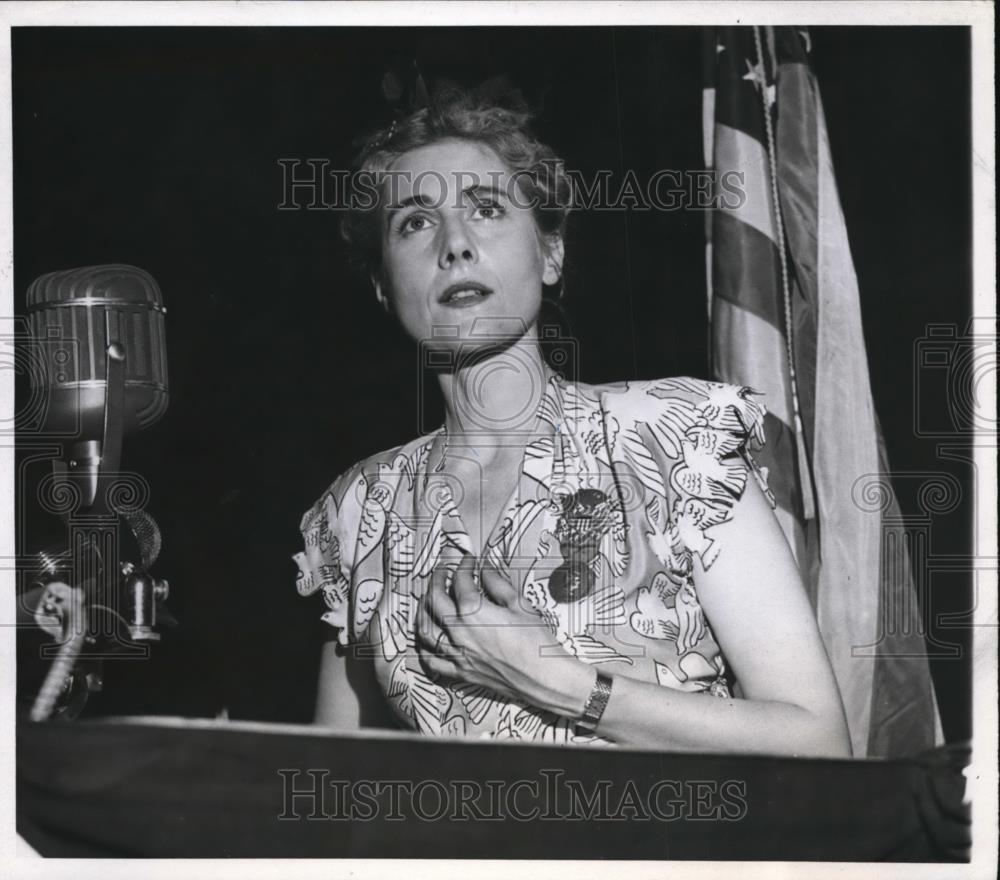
<point>102,374</point>
<point>104,363</point>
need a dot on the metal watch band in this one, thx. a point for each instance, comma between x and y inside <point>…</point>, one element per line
<point>597,702</point>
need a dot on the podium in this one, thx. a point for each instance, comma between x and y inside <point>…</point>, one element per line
<point>160,787</point>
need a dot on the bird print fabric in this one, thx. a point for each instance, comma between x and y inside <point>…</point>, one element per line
<point>621,488</point>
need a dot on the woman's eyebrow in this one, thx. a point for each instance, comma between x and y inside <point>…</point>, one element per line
<point>419,199</point>
<point>479,190</point>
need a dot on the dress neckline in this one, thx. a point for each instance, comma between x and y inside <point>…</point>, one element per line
<point>550,400</point>
<point>549,408</point>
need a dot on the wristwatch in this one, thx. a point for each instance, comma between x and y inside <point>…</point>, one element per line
<point>597,702</point>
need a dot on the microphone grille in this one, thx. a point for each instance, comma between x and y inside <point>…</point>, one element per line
<point>147,534</point>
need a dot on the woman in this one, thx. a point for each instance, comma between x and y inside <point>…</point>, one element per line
<point>558,562</point>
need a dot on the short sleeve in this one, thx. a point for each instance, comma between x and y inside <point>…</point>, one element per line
<point>716,460</point>
<point>329,534</point>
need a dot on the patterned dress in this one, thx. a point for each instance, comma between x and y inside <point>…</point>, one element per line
<point>620,487</point>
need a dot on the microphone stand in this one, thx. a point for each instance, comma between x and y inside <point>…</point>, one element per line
<point>93,466</point>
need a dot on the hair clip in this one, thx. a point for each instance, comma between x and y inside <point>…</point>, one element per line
<point>381,140</point>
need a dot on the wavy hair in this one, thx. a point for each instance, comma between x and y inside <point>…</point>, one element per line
<point>457,115</point>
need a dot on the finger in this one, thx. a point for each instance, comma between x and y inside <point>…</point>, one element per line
<point>496,587</point>
<point>438,602</point>
<point>437,585</point>
<point>468,596</point>
<point>434,648</point>
<point>428,633</point>
<point>437,666</point>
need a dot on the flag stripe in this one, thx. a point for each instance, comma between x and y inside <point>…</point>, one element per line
<point>736,151</point>
<point>782,474</point>
<point>750,351</point>
<point>747,318</point>
<point>708,146</point>
<point>755,356</point>
<point>708,126</point>
<point>745,270</point>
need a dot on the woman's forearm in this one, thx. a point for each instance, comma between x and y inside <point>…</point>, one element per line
<point>498,646</point>
<point>646,714</point>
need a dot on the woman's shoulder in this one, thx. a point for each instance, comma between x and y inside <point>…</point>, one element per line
<point>687,440</point>
<point>351,487</point>
<point>331,526</point>
<point>687,404</point>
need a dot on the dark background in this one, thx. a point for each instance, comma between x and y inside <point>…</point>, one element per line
<point>159,147</point>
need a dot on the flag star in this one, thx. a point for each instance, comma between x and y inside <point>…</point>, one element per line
<point>755,74</point>
<point>719,48</point>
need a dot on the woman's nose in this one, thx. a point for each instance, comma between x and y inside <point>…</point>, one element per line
<point>457,244</point>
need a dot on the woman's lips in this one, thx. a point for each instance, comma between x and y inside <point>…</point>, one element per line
<point>464,296</point>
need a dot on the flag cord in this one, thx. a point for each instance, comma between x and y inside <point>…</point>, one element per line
<point>808,501</point>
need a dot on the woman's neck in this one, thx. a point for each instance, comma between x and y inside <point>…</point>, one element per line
<point>498,395</point>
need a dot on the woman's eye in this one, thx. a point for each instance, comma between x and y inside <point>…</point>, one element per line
<point>489,210</point>
<point>414,223</point>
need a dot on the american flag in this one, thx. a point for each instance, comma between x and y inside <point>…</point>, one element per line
<point>786,320</point>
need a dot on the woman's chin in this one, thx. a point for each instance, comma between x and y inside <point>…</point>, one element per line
<point>493,338</point>
<point>480,322</point>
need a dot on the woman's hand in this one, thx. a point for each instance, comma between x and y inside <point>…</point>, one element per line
<point>484,637</point>
<point>759,613</point>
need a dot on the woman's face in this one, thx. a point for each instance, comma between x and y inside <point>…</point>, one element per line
<point>457,249</point>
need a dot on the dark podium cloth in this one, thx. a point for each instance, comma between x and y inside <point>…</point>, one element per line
<point>174,788</point>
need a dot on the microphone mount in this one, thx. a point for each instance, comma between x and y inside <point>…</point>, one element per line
<point>112,319</point>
